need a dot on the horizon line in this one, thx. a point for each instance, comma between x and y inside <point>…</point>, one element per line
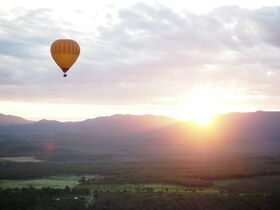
<point>129,114</point>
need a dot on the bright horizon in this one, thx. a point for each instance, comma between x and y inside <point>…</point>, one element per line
<point>187,60</point>
<point>199,120</point>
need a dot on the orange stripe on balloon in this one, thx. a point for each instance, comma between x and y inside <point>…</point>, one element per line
<point>66,47</point>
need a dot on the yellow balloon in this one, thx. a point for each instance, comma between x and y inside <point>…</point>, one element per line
<point>65,52</point>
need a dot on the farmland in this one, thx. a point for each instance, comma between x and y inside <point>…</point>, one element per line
<point>26,159</point>
<point>119,178</point>
<point>52,182</point>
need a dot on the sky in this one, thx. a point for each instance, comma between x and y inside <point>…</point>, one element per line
<point>184,59</point>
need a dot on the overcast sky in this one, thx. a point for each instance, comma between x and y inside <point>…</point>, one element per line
<point>140,57</point>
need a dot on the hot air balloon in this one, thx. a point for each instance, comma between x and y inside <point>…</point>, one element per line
<point>65,52</point>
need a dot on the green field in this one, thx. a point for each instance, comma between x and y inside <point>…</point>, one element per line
<point>60,182</point>
<point>24,159</point>
<point>53,182</point>
<point>261,183</point>
<point>145,188</point>
<point>136,188</point>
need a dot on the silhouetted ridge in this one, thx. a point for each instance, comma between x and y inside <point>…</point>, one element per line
<point>12,120</point>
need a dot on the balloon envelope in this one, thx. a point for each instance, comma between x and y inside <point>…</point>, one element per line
<point>65,52</point>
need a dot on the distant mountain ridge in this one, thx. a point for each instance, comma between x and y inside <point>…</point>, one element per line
<point>119,125</point>
<point>12,120</point>
<point>254,126</point>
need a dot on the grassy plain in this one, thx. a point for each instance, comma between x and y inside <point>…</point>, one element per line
<point>135,188</point>
<point>25,159</point>
<point>58,182</point>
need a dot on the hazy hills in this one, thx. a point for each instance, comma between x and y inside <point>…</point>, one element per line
<point>11,120</point>
<point>255,125</point>
<point>243,132</point>
<point>116,125</point>
<point>242,126</point>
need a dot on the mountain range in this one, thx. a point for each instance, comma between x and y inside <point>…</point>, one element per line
<point>116,125</point>
<point>252,132</point>
<point>257,126</point>
<point>12,120</point>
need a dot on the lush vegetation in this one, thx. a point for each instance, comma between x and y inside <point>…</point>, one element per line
<point>21,159</point>
<point>189,172</point>
<point>184,201</point>
<point>260,183</point>
<point>122,178</point>
<point>53,182</point>
<point>43,199</point>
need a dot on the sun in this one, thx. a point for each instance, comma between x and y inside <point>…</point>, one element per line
<point>199,115</point>
<point>202,120</point>
<point>201,105</point>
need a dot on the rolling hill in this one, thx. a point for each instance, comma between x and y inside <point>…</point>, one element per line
<point>249,132</point>
<point>12,120</point>
<point>254,126</point>
<point>116,125</point>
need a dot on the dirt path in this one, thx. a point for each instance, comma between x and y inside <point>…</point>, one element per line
<point>90,200</point>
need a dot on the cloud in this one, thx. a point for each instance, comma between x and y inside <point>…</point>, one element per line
<point>144,55</point>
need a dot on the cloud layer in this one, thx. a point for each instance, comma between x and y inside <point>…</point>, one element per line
<point>144,55</point>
